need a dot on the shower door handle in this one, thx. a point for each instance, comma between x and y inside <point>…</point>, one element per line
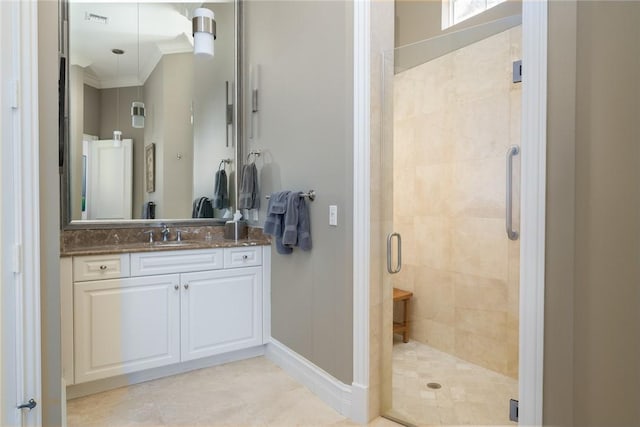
<point>511,233</point>
<point>390,269</point>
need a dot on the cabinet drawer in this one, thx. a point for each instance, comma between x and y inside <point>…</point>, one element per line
<point>184,261</point>
<point>98,267</point>
<point>242,257</point>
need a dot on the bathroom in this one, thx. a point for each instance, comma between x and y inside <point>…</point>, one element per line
<point>184,99</point>
<point>319,299</point>
<point>316,124</point>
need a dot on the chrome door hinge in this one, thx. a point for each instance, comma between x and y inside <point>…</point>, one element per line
<point>517,71</point>
<point>513,410</point>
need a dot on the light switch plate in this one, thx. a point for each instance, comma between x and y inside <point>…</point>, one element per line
<point>333,215</point>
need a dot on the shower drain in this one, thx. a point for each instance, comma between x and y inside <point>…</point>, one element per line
<point>434,386</point>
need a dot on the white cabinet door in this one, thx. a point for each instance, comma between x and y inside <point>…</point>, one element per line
<point>125,325</point>
<point>221,311</point>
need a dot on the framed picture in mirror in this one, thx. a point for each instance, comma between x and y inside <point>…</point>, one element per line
<point>150,167</point>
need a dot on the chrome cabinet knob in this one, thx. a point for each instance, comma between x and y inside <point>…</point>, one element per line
<point>176,287</point>
<point>186,286</point>
<point>103,267</point>
<point>245,257</point>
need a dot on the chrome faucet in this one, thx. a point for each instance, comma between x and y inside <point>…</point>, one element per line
<point>164,233</point>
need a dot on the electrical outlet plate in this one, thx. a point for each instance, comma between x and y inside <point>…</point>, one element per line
<point>333,215</point>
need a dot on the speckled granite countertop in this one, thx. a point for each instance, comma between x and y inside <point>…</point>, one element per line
<point>123,240</point>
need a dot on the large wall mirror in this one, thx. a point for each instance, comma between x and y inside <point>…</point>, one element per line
<point>126,60</point>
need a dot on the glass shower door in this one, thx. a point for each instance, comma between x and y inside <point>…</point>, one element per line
<point>451,115</point>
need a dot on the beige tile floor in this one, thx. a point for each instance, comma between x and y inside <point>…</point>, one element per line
<point>247,393</point>
<point>470,394</point>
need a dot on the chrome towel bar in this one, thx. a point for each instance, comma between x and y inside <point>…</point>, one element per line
<point>311,195</point>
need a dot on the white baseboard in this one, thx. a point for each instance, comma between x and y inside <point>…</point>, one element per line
<point>333,392</point>
<point>360,403</point>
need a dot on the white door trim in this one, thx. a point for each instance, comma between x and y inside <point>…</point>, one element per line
<point>361,207</point>
<point>534,22</point>
<point>533,206</point>
<point>24,188</point>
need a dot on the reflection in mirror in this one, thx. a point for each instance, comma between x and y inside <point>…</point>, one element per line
<point>159,170</point>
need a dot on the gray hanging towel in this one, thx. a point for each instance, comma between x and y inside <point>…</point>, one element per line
<point>220,190</point>
<point>297,224</point>
<point>274,223</point>
<point>249,197</point>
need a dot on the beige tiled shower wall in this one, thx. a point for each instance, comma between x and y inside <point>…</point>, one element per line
<point>454,119</point>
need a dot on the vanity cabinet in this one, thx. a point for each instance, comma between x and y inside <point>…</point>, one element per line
<point>221,311</point>
<point>125,325</point>
<point>154,309</point>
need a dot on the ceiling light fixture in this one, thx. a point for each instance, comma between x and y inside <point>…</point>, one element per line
<point>204,31</point>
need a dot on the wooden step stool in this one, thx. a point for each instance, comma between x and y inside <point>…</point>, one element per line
<point>402,327</point>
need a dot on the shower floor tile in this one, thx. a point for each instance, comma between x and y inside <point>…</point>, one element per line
<point>469,394</point>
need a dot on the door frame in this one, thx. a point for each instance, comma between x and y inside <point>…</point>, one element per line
<point>20,188</point>
<point>533,194</point>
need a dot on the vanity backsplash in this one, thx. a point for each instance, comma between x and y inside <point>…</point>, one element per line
<point>73,242</point>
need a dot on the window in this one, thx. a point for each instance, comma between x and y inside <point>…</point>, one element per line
<point>456,11</point>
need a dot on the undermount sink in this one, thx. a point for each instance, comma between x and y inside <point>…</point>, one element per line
<point>171,243</point>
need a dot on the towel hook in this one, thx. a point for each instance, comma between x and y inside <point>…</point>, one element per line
<point>255,153</point>
<point>224,162</point>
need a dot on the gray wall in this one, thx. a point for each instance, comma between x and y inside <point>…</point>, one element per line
<point>154,130</point>
<point>421,20</point>
<point>49,213</point>
<point>592,345</point>
<point>178,136</point>
<point>91,116</point>
<point>560,233</point>
<point>168,125</point>
<point>305,53</point>
<point>108,123</point>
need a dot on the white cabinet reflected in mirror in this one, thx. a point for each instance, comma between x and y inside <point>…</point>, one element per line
<point>186,99</point>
